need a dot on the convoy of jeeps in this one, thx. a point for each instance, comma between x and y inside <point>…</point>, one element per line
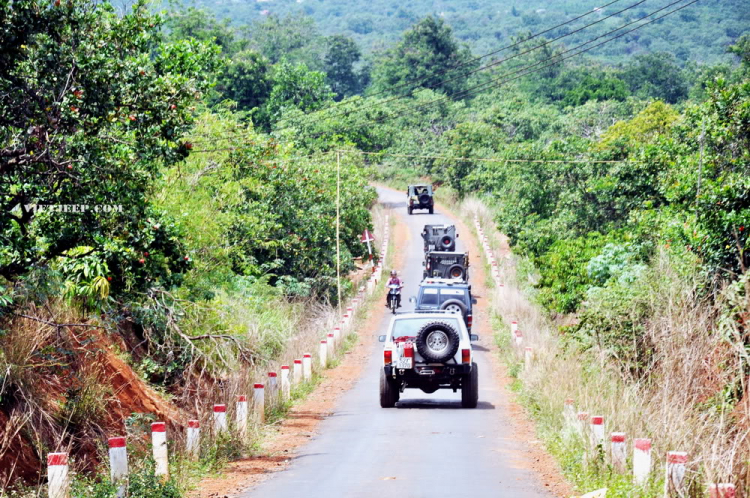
<point>430,347</point>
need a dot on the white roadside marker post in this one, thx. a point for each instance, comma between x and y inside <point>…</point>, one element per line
<point>597,432</point>
<point>527,357</point>
<point>332,345</point>
<point>569,417</point>
<point>583,424</point>
<point>513,330</point>
<point>57,475</point>
<point>193,438</point>
<point>723,490</point>
<point>118,464</point>
<point>641,460</point>
<point>674,480</point>
<point>259,406</point>
<point>159,447</point>
<point>240,416</point>
<point>272,388</point>
<point>297,374</point>
<point>323,354</point>
<point>285,385</point>
<point>619,452</point>
<point>220,419</point>
<point>307,367</point>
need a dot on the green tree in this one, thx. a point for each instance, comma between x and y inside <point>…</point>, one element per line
<point>203,26</point>
<point>294,37</point>
<point>92,105</point>
<point>295,87</point>
<point>338,64</point>
<point>246,79</point>
<point>658,76</point>
<point>423,58</point>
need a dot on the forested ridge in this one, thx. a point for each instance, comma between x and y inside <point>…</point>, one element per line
<point>698,35</point>
<point>612,150</point>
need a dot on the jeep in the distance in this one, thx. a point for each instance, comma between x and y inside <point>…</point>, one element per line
<point>443,264</point>
<point>420,197</point>
<point>428,351</point>
<point>445,294</point>
<point>439,238</point>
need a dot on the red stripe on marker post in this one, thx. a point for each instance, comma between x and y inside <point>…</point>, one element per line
<point>618,437</point>
<point>677,457</point>
<point>194,424</point>
<point>642,444</point>
<point>220,408</point>
<point>298,362</point>
<point>273,374</point>
<point>597,420</point>
<point>159,427</point>
<point>285,367</point>
<point>57,459</point>
<point>116,442</point>
<point>258,386</point>
<point>241,398</point>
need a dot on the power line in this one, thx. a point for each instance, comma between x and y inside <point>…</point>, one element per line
<point>478,58</point>
<point>524,71</point>
<point>425,156</point>
<point>477,70</point>
<point>463,75</point>
<point>485,159</point>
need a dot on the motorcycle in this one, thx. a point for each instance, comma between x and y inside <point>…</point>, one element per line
<point>394,291</point>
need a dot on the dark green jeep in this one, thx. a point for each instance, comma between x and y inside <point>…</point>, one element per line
<point>420,197</point>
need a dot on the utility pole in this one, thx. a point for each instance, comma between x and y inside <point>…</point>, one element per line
<point>700,160</point>
<point>338,226</point>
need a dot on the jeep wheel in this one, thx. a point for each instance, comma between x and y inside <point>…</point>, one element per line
<point>437,342</point>
<point>409,209</point>
<point>388,392</point>
<point>470,388</point>
<point>432,210</point>
<point>454,305</point>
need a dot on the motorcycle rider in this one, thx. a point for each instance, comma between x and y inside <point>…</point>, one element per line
<point>395,280</point>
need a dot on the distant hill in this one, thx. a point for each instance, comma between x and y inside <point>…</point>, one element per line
<point>700,32</point>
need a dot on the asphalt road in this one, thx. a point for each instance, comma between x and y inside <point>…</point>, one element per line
<point>428,446</point>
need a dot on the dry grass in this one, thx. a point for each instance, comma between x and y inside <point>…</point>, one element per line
<point>681,406</point>
<point>55,393</point>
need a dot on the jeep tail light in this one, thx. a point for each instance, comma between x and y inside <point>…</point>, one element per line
<point>408,350</point>
<point>468,321</point>
<point>387,356</point>
<point>466,356</point>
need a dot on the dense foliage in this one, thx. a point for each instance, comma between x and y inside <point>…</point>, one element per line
<point>698,33</point>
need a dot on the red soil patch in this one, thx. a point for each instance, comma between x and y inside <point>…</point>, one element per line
<point>92,357</point>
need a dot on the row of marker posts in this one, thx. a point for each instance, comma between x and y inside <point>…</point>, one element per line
<point>591,428</point>
<point>301,371</point>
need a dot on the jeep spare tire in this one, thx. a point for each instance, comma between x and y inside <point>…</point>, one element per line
<point>424,199</point>
<point>447,243</point>
<point>457,272</point>
<point>437,342</point>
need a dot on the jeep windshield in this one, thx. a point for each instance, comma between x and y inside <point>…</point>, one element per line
<point>408,328</point>
<point>433,297</point>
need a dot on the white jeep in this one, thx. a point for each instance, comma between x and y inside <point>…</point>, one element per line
<point>428,351</point>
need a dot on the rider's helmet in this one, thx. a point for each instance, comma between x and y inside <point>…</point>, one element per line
<point>393,273</point>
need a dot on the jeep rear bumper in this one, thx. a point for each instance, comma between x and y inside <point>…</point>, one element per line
<point>421,372</point>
